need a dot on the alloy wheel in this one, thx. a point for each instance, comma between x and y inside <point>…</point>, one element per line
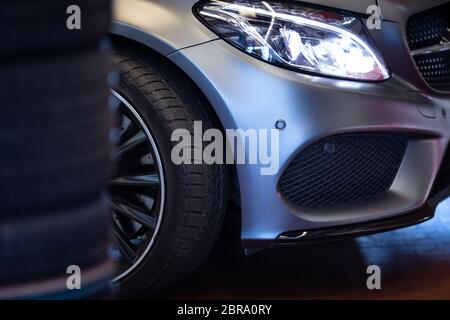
<point>137,190</point>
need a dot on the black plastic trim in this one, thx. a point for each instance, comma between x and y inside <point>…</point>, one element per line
<point>355,230</point>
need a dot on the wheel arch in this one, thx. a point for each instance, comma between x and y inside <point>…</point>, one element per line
<point>163,25</point>
<point>147,47</point>
<point>138,36</point>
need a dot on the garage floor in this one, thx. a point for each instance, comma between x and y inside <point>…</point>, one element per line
<point>415,264</point>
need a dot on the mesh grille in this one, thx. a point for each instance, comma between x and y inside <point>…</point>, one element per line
<point>425,30</point>
<point>435,69</point>
<point>342,169</point>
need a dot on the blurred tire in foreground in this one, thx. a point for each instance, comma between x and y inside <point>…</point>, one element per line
<point>55,159</point>
<point>30,27</point>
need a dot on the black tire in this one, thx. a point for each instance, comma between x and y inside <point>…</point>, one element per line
<point>43,245</point>
<point>60,128</point>
<point>197,195</point>
<point>30,27</point>
<point>55,161</point>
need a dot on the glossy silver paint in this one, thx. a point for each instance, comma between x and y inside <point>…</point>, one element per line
<point>248,93</point>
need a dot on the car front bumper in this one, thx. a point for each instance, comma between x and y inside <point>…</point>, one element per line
<point>250,94</point>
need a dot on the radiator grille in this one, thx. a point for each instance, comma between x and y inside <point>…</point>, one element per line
<point>428,36</point>
<point>435,69</point>
<point>342,169</point>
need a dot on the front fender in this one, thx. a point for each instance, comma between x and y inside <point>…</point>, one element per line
<point>163,25</point>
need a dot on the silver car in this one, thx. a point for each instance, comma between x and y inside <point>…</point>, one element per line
<point>357,93</point>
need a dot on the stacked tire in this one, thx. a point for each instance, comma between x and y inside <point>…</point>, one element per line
<point>55,159</point>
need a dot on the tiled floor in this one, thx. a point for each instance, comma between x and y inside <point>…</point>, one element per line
<point>415,264</point>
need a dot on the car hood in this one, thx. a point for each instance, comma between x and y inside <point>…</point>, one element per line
<point>393,10</point>
<point>359,6</point>
<point>401,10</point>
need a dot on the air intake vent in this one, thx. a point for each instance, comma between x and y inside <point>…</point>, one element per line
<point>443,178</point>
<point>428,35</point>
<point>342,169</point>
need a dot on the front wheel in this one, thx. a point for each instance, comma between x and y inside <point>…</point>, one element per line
<point>166,217</point>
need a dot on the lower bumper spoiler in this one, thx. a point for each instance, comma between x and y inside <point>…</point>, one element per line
<point>356,230</point>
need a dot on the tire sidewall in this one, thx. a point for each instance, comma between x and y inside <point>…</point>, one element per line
<point>166,237</point>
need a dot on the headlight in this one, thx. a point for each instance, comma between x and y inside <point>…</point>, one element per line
<point>307,39</point>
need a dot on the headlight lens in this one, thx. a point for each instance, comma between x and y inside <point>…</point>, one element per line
<point>312,40</point>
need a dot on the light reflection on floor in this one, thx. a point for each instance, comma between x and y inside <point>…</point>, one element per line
<point>415,264</point>
<point>415,261</point>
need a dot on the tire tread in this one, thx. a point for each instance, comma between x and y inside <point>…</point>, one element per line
<point>202,210</point>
